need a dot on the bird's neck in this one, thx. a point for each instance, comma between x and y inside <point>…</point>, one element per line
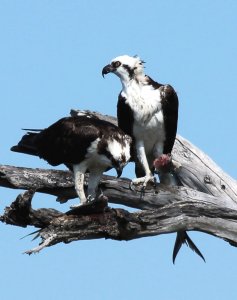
<point>138,80</point>
<point>125,80</point>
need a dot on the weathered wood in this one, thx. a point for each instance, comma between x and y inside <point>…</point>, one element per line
<point>118,191</point>
<point>174,209</point>
<point>118,224</point>
<point>53,182</point>
<point>200,172</point>
<point>20,213</point>
<point>206,202</point>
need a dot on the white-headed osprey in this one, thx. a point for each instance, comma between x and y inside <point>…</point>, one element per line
<point>148,112</point>
<point>84,145</point>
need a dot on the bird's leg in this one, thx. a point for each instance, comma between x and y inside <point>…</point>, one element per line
<point>79,175</point>
<point>141,154</point>
<point>93,182</point>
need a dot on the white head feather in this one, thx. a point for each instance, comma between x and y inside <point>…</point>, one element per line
<point>134,63</point>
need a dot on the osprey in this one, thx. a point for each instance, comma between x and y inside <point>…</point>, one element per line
<point>83,144</point>
<point>148,112</point>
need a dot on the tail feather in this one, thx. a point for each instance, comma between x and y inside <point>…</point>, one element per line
<point>32,130</point>
<point>183,238</point>
<point>171,178</point>
<point>37,232</point>
<point>27,144</point>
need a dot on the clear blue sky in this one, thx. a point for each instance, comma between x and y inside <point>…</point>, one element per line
<point>51,56</point>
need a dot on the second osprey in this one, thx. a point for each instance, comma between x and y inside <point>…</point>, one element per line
<point>147,111</point>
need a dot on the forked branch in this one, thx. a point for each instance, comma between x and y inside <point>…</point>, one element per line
<point>206,202</point>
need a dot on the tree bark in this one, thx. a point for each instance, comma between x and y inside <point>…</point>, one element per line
<point>206,202</point>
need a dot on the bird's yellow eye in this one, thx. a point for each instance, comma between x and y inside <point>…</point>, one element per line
<point>116,64</point>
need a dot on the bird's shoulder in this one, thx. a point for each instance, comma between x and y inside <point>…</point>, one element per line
<point>167,92</point>
<point>149,81</point>
<point>169,98</point>
<point>68,140</point>
<point>79,127</point>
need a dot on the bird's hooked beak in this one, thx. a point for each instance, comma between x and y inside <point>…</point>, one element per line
<point>107,69</point>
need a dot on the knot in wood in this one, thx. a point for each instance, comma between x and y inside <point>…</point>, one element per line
<point>207,179</point>
<point>186,154</point>
<point>223,187</point>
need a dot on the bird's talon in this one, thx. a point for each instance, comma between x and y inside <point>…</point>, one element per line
<point>90,198</point>
<point>144,181</point>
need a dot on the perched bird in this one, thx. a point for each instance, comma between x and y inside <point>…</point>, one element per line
<point>83,144</point>
<point>148,112</point>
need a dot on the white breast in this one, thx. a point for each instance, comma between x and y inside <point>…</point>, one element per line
<point>148,116</point>
<point>151,133</point>
<point>144,101</point>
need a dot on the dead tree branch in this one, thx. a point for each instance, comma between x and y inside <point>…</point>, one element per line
<point>207,202</point>
<point>97,220</point>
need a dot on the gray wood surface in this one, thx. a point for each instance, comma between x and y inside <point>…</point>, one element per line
<point>206,202</point>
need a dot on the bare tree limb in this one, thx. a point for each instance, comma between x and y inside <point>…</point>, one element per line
<point>167,209</point>
<point>97,220</point>
<point>118,191</point>
<point>207,202</point>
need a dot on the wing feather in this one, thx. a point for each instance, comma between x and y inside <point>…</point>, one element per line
<point>170,104</point>
<point>67,140</point>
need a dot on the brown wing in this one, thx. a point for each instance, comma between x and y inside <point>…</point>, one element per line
<point>170,105</point>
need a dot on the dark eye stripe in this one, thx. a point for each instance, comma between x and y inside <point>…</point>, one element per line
<point>129,70</point>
